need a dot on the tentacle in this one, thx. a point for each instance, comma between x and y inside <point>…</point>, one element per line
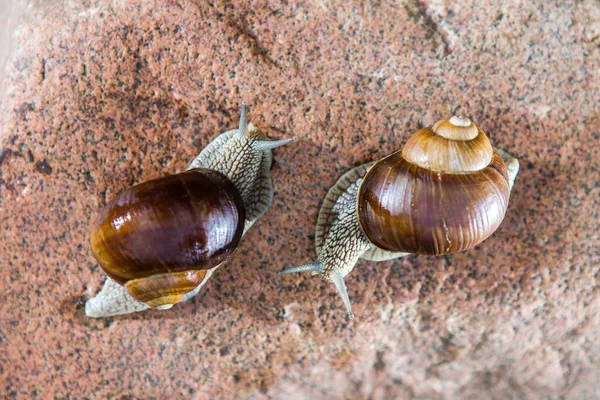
<point>342,247</point>
<point>243,127</point>
<point>334,276</point>
<point>338,280</point>
<point>264,145</point>
<point>312,267</point>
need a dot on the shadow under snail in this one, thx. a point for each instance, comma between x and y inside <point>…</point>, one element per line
<point>445,191</point>
<point>161,240</point>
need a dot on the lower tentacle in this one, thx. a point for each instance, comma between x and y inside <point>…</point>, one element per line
<point>343,245</point>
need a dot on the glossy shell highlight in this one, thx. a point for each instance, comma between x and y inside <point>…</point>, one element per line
<point>403,207</point>
<point>158,238</point>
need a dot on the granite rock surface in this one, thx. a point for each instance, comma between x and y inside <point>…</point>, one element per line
<point>104,94</point>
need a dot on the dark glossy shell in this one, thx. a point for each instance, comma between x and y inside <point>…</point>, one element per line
<point>406,208</point>
<point>191,221</point>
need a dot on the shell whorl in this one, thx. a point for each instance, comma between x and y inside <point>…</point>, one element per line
<point>453,146</point>
<point>159,237</point>
<point>445,191</point>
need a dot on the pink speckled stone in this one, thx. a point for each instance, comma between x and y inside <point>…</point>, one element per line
<point>102,95</point>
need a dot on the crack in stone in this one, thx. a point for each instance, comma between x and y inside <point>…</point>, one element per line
<point>255,47</point>
<point>420,10</point>
<point>42,70</point>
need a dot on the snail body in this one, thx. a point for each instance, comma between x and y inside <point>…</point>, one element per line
<point>445,191</point>
<point>161,240</point>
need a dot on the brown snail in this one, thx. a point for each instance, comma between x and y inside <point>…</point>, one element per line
<point>161,240</point>
<point>445,191</point>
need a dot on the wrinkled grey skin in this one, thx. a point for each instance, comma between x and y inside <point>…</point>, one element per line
<point>340,240</point>
<point>244,156</point>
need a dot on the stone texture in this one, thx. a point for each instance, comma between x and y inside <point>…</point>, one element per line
<point>104,94</point>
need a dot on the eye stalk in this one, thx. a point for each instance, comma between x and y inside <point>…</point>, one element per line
<point>259,144</point>
<point>335,277</point>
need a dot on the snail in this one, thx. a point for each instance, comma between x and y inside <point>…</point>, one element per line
<point>161,240</point>
<point>445,191</point>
